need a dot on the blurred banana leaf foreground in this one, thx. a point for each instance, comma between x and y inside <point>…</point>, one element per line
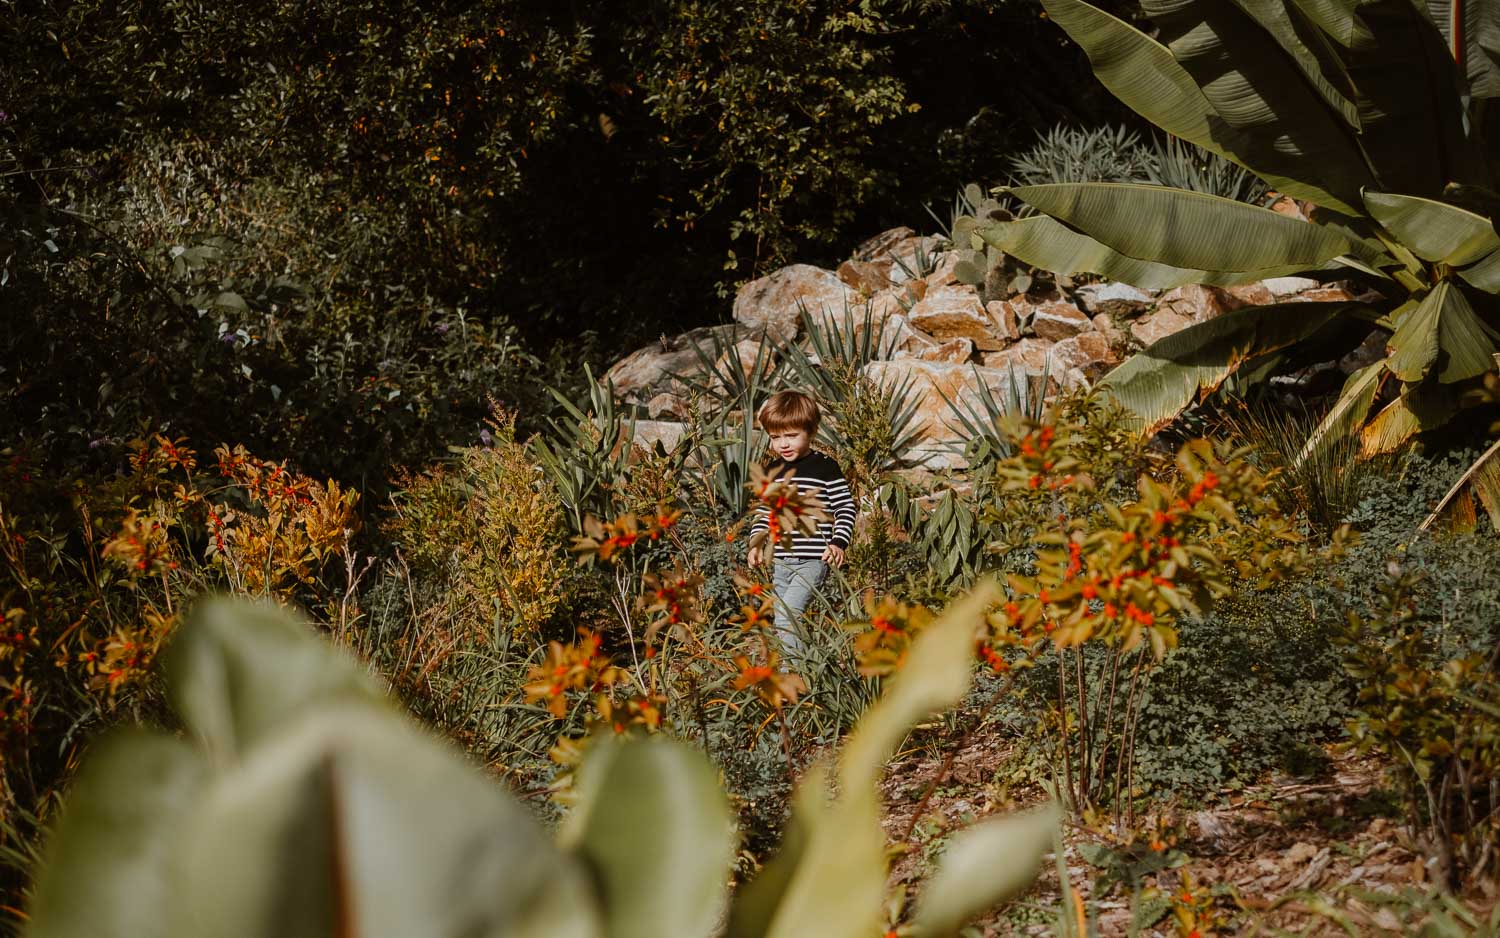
<point>300,802</point>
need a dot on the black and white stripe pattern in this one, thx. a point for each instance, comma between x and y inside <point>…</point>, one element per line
<point>819,475</point>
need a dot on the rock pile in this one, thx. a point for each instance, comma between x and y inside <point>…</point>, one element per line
<point>943,337</point>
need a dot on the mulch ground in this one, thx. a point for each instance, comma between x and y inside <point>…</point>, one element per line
<point>1289,856</point>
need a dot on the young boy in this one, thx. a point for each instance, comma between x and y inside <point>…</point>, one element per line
<point>791,418</point>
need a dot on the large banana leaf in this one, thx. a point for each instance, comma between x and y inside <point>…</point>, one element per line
<point>1435,231</point>
<point>1408,91</point>
<point>1471,29</point>
<point>1484,274</point>
<point>1257,89</point>
<point>1044,242</point>
<point>1184,229</point>
<point>1143,74</point>
<point>1157,383</point>
<point>1420,407</point>
<point>1311,52</point>
<point>1442,331</point>
<point>1338,19</point>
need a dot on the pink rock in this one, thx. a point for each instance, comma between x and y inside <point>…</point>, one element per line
<point>1003,315</point>
<point>773,302</point>
<point>1058,321</point>
<point>952,312</point>
<point>942,275</point>
<point>1198,303</point>
<point>1088,353</point>
<point>665,362</point>
<point>1252,294</point>
<point>1118,338</point>
<point>1158,325</point>
<point>956,350</point>
<point>882,243</point>
<point>866,277</point>
<point>667,404</point>
<point>1028,356</point>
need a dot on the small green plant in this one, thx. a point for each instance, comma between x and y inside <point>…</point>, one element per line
<point>1182,165</point>
<point>1435,711</point>
<point>489,530</point>
<point>1070,154</point>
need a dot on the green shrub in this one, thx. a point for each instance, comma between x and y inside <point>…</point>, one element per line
<point>491,528</point>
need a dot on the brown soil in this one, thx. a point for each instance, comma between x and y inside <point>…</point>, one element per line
<point>1306,857</point>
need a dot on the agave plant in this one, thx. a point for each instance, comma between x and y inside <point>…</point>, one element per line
<point>302,804</point>
<point>1372,110</point>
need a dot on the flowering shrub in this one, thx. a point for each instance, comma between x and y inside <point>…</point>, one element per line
<point>1108,570</point>
<point>94,577</point>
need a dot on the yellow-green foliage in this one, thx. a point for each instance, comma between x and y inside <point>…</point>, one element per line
<point>492,527</point>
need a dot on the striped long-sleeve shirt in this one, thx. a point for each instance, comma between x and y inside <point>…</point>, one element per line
<point>817,474</point>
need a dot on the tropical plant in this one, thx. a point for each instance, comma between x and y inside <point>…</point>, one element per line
<point>1070,154</point>
<point>1182,165</point>
<point>305,805</point>
<point>1323,102</point>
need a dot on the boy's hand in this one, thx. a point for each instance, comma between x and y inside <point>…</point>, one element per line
<point>833,556</point>
<point>753,557</point>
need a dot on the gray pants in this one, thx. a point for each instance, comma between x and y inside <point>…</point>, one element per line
<point>794,581</point>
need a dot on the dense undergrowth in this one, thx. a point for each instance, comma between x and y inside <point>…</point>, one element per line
<point>1169,627</point>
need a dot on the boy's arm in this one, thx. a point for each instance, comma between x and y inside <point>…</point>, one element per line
<point>841,503</point>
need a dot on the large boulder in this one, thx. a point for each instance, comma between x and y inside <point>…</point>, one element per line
<point>1003,315</point>
<point>666,432</point>
<point>1117,299</point>
<point>939,445</point>
<point>956,351</point>
<point>774,302</point>
<point>880,245</point>
<point>1058,321</point>
<point>1088,353</point>
<point>1156,326</point>
<point>865,277</point>
<point>1198,303</point>
<point>662,365</point>
<point>955,312</point>
<point>1030,356</point>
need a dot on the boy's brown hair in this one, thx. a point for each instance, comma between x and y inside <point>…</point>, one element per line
<point>789,410</point>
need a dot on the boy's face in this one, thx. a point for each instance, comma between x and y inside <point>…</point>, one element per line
<point>790,444</point>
